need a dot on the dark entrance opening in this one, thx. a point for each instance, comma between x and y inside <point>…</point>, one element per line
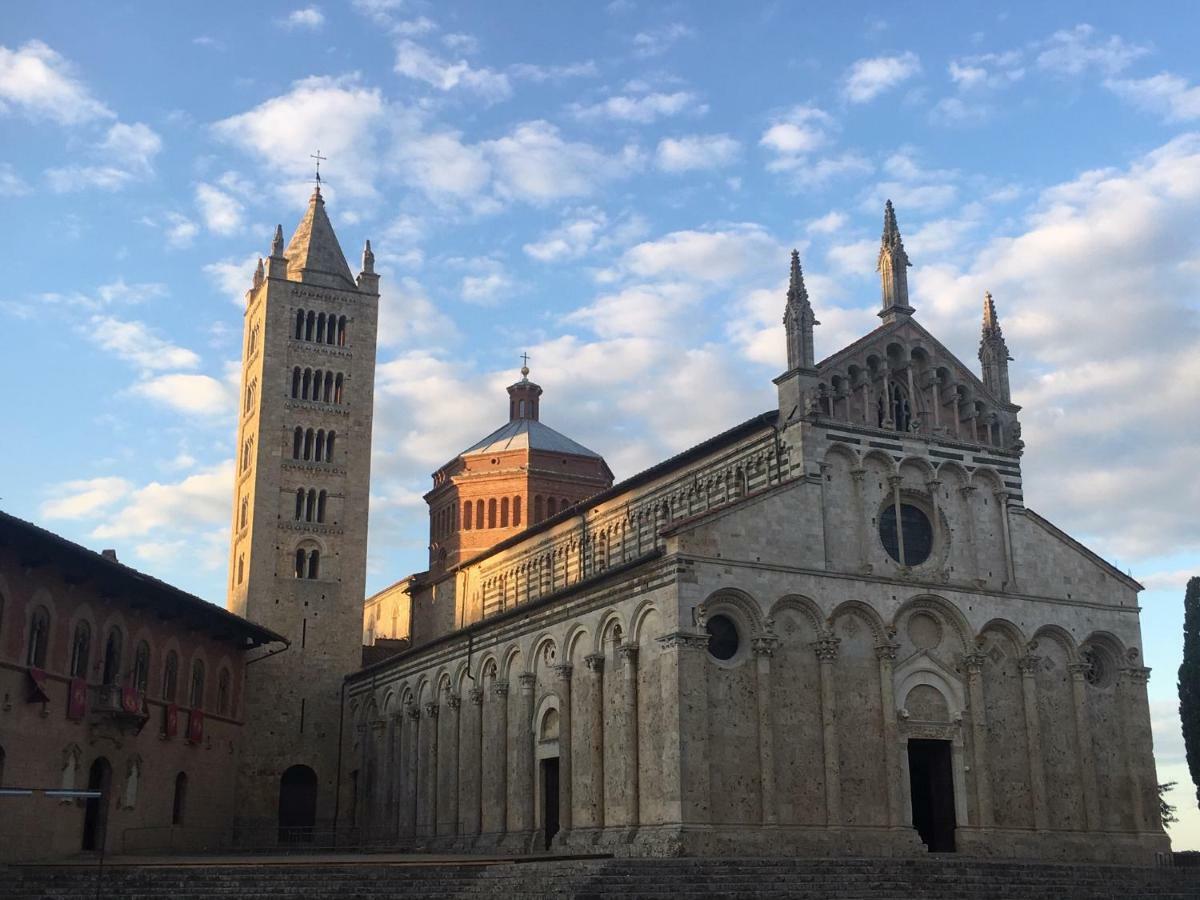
<point>550,798</point>
<point>95,815</point>
<point>931,777</point>
<point>297,804</point>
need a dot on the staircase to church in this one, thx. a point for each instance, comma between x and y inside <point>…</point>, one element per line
<point>836,879</point>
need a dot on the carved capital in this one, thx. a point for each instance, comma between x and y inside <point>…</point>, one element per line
<point>826,648</point>
<point>377,726</point>
<point>594,662</point>
<point>454,702</point>
<point>500,688</point>
<point>967,490</point>
<point>895,480</point>
<point>886,652</point>
<point>628,654</point>
<point>431,710</point>
<point>974,662</point>
<point>1136,674</point>
<point>397,717</point>
<point>564,671</point>
<point>1029,664</point>
<point>1079,670</point>
<point>934,485</point>
<point>764,645</point>
<point>858,474</point>
<point>527,680</point>
<point>413,712</point>
<point>682,640</point>
<point>475,695</point>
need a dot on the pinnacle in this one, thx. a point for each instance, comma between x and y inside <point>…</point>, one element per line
<point>991,321</point>
<point>891,231</point>
<point>797,293</point>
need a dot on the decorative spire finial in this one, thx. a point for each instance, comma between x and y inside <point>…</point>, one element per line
<point>258,273</point>
<point>991,322</point>
<point>993,352</point>
<point>277,242</point>
<point>797,293</point>
<point>525,365</point>
<point>368,260</point>
<point>798,319</point>
<point>317,180</point>
<point>892,266</point>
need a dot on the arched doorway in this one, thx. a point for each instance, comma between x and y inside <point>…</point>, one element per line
<point>297,804</point>
<point>95,816</point>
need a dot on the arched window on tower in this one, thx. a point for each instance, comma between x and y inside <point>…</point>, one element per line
<point>112,657</point>
<point>319,451</point>
<point>337,388</point>
<point>310,505</point>
<point>328,396</point>
<point>244,513</point>
<point>492,513</point>
<point>479,514</point>
<point>516,508</point>
<point>539,508</point>
<point>901,411</point>
<point>241,568</point>
<point>314,564</point>
<point>308,444</point>
<point>304,391</point>
<point>503,512</point>
<point>329,446</point>
<point>299,504</point>
<point>466,515</point>
<point>551,507</point>
<point>309,321</point>
<point>296,383</point>
<point>297,443</point>
<point>81,649</point>
<point>301,562</point>
<point>321,506</point>
<point>341,332</point>
<point>299,324</point>
<point>321,328</point>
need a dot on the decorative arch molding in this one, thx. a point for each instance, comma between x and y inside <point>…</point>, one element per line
<point>837,448</point>
<point>1010,631</point>
<point>945,610</point>
<point>1108,641</point>
<point>460,678</point>
<point>926,669</point>
<point>950,467</point>
<point>889,464</point>
<point>801,604</point>
<point>444,685</point>
<point>987,477</point>
<point>389,702</point>
<point>489,668</point>
<point>638,621</point>
<point>545,653</point>
<point>423,688</point>
<point>511,661</point>
<point>736,599</point>
<point>611,623</point>
<point>576,636</point>
<point>549,701</point>
<point>1060,635</point>
<point>856,607</point>
<point>920,463</point>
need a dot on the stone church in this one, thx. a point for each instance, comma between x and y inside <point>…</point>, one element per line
<point>835,628</point>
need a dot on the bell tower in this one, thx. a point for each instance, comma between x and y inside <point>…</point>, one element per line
<point>297,561</point>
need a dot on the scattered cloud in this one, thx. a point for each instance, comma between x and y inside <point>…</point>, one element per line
<point>134,342</point>
<point>84,498</point>
<point>697,151</point>
<point>233,276</point>
<point>582,232</point>
<point>40,83</point>
<point>11,184</point>
<point>221,211</point>
<point>642,109</point>
<point>543,73</point>
<point>420,63</point>
<point>868,78</point>
<point>190,394</point>
<point>534,163</point>
<point>309,18</point>
<point>1167,95</point>
<point>128,151</point>
<point>485,284</point>
<point>657,41</point>
<point>797,132</point>
<point>199,501</point>
<point>1080,49</point>
<point>829,223</point>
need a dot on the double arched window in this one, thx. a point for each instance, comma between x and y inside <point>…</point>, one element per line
<point>310,505</point>
<point>244,512</point>
<point>251,393</point>
<point>39,638</point>
<point>247,453</point>
<point>313,445</point>
<point>170,676</point>
<point>81,649</point>
<point>308,563</point>
<point>321,385</point>
<point>320,328</point>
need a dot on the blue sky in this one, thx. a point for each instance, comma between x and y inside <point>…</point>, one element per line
<point>613,189</point>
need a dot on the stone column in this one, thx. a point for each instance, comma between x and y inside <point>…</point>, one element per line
<point>449,816</point>
<point>886,654</point>
<point>937,402</point>
<point>1083,736</point>
<point>1010,571</point>
<point>361,800</point>
<point>685,757</point>
<point>380,825</point>
<point>500,748</point>
<point>473,813</point>
<point>1029,666</point>
<point>824,469</point>
<point>431,770</point>
<point>967,492</point>
<point>1131,683</point>
<point>595,664</point>
<point>860,517</point>
<point>395,768</point>
<point>983,779</point>
<point>827,650</point>
<point>412,793</point>
<point>895,481</point>
<point>566,802</point>
<point>764,648</point>
<point>523,762</point>
<point>629,709</point>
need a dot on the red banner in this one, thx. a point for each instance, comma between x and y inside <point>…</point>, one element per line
<point>77,699</point>
<point>170,720</point>
<point>131,701</point>
<point>195,730</point>
<point>38,689</point>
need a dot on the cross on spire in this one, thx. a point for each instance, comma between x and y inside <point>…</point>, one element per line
<point>525,364</point>
<point>319,158</point>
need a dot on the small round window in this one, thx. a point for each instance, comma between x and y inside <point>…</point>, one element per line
<point>722,637</point>
<point>916,530</point>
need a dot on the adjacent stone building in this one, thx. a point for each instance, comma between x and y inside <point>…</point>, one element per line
<point>114,681</point>
<point>833,629</point>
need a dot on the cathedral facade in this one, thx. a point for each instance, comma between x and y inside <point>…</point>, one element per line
<point>835,628</point>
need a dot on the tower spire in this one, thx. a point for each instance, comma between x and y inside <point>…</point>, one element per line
<point>892,267</point>
<point>993,352</point>
<point>524,396</point>
<point>798,319</point>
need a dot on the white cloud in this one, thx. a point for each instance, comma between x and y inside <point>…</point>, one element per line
<point>793,138</point>
<point>120,292</point>
<point>535,164</point>
<point>180,230</point>
<point>657,41</point>
<point>697,151</point>
<point>1079,49</point>
<point>642,310</point>
<point>421,64</point>
<point>814,173</point>
<point>1167,95</point>
<point>571,240</point>
<point>441,164</point>
<point>84,498</point>
<point>829,223</point>
<point>233,276</point>
<point>338,115</point>
<point>407,315</point>
<point>78,178</point>
<point>11,184</point>
<point>221,211</point>
<point>135,343</point>
<point>198,502</point>
<point>39,82</point>
<point>543,73</point>
<point>715,255</point>
<point>309,18</point>
<point>641,109</point>
<point>189,394</point>
<point>132,146</point>
<point>868,78</point>
<point>486,282</point>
